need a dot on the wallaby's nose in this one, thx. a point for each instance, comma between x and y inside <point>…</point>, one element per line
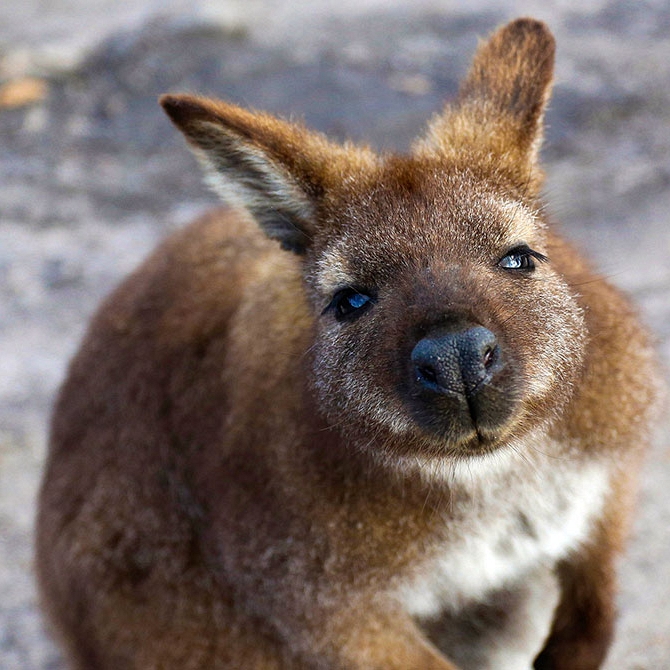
<point>459,362</point>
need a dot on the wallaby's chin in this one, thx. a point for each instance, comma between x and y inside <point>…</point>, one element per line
<point>474,442</point>
<point>469,422</point>
<point>446,437</point>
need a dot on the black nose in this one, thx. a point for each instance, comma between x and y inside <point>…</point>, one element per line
<point>459,362</point>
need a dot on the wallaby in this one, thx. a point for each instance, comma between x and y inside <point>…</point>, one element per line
<point>378,414</point>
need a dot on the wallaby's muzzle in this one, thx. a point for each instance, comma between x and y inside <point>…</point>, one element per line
<point>459,386</point>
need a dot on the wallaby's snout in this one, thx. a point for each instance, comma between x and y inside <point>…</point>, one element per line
<point>457,362</point>
<point>453,374</point>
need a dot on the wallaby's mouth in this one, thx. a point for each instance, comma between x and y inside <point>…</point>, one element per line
<point>454,429</point>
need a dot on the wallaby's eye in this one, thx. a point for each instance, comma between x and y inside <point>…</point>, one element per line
<point>349,303</point>
<point>521,258</point>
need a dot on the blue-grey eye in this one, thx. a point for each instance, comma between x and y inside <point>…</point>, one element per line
<point>521,258</point>
<point>349,303</point>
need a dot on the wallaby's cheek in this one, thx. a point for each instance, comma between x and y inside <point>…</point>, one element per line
<point>556,336</point>
<point>357,372</point>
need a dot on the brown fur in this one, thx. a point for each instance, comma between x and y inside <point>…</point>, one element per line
<point>241,478</point>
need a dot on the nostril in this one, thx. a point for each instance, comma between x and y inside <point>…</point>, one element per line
<point>425,373</point>
<point>489,357</point>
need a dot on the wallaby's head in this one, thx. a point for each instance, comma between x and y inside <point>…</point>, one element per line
<point>440,320</point>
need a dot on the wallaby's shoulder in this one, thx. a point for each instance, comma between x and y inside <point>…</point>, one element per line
<point>195,280</point>
<point>181,316</point>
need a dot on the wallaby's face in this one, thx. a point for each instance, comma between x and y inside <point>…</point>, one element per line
<point>439,317</point>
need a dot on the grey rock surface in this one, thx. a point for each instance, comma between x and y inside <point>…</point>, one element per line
<point>92,175</point>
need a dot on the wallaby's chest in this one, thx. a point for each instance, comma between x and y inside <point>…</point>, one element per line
<point>508,527</point>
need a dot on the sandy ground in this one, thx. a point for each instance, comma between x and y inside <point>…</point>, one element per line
<point>92,176</point>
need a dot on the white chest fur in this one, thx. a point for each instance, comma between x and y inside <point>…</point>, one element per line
<point>512,516</point>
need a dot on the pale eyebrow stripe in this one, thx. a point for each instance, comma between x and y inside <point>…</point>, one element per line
<point>522,221</point>
<point>332,273</point>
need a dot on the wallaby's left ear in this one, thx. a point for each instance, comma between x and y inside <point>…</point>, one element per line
<point>500,106</point>
<point>277,170</point>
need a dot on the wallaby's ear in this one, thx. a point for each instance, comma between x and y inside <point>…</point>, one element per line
<point>277,170</point>
<point>499,111</point>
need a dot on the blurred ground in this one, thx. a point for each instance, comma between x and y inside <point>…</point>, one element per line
<point>92,175</point>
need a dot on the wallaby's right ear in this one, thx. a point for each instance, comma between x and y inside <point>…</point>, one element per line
<point>277,170</point>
